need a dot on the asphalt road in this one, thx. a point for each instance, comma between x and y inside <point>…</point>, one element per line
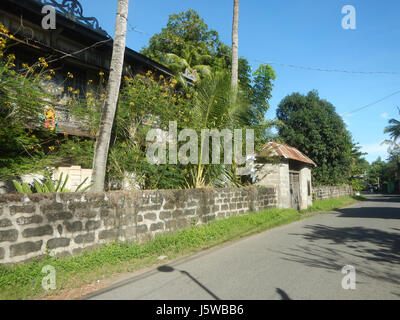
<point>302,260</point>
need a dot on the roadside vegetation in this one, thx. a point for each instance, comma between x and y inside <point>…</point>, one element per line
<point>150,100</point>
<point>24,281</point>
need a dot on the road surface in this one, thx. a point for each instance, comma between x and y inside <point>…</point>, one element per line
<point>302,260</point>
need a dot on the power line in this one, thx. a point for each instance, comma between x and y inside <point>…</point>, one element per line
<point>370,104</point>
<point>132,28</point>
<point>327,70</point>
<point>73,54</point>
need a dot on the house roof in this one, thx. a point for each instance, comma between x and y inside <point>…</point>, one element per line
<point>84,30</point>
<point>271,149</point>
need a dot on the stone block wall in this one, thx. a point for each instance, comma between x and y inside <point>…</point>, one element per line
<point>332,192</point>
<point>69,223</point>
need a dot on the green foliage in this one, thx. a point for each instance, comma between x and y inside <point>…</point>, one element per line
<point>311,125</point>
<point>394,151</point>
<point>22,98</point>
<point>215,109</point>
<point>331,204</point>
<point>49,150</point>
<point>393,129</point>
<point>145,102</point>
<point>48,185</point>
<point>187,43</point>
<point>377,171</point>
<point>26,146</point>
<point>257,95</point>
<point>22,188</point>
<point>357,184</point>
<point>383,171</point>
<point>260,93</point>
<point>73,151</point>
<point>359,169</point>
<point>187,36</point>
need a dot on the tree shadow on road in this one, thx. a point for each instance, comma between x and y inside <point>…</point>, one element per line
<point>370,212</point>
<point>382,198</point>
<point>376,252</point>
<point>385,245</point>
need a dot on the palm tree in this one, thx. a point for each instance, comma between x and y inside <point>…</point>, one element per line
<point>110,104</point>
<point>215,109</point>
<point>190,61</point>
<point>235,47</point>
<point>394,130</point>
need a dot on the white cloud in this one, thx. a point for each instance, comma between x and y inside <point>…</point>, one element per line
<point>375,150</point>
<point>385,115</point>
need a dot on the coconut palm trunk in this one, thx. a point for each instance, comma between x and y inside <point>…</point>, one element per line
<point>110,103</point>
<point>235,47</point>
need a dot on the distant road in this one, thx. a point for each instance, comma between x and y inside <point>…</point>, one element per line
<point>302,260</point>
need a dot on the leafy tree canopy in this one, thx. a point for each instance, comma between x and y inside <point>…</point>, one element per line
<point>188,43</point>
<point>187,36</point>
<point>312,125</point>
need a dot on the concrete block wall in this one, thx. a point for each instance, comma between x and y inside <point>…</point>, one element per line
<point>328,192</point>
<point>275,175</point>
<point>76,176</point>
<point>284,186</point>
<point>305,179</point>
<point>69,223</point>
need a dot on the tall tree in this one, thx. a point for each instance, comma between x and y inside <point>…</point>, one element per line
<point>187,36</point>
<point>235,46</point>
<point>394,130</point>
<point>312,125</point>
<point>110,104</point>
<point>187,42</point>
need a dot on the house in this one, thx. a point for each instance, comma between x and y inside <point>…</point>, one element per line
<point>287,169</point>
<point>78,46</point>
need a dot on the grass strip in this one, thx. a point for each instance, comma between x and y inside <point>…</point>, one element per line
<point>24,281</point>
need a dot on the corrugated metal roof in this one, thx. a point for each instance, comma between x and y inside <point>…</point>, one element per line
<point>281,150</point>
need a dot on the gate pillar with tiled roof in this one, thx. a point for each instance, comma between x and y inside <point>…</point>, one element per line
<point>289,171</point>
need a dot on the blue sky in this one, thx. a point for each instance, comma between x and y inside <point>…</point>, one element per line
<point>305,33</point>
